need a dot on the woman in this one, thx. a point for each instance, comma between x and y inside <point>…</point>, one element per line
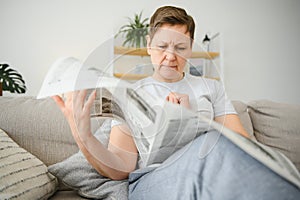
<point>169,45</point>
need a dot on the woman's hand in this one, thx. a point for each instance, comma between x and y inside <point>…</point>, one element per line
<point>119,159</point>
<point>177,98</point>
<point>77,112</point>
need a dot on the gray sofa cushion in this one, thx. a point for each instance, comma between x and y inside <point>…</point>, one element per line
<point>66,195</point>
<point>38,126</point>
<point>277,125</point>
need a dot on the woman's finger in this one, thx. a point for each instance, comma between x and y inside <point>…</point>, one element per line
<point>81,95</point>
<point>59,101</point>
<point>176,98</point>
<point>172,98</point>
<point>167,98</point>
<point>90,100</point>
<point>78,99</point>
<point>69,96</point>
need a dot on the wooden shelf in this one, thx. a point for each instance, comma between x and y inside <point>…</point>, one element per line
<point>131,51</point>
<point>141,76</point>
<point>130,76</point>
<point>203,54</point>
<point>143,52</point>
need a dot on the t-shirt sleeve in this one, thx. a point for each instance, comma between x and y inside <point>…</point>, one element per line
<point>221,103</point>
<point>115,122</point>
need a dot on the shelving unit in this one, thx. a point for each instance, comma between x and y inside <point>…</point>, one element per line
<point>119,50</point>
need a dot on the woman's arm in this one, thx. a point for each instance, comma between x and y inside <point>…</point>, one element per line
<point>233,122</point>
<point>115,162</point>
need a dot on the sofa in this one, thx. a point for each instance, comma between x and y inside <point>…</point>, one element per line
<point>39,130</point>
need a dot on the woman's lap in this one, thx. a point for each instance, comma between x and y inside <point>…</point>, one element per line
<point>219,171</point>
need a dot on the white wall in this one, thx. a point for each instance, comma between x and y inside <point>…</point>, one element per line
<point>261,38</point>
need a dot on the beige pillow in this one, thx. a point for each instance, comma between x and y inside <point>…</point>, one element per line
<point>277,125</point>
<point>22,175</point>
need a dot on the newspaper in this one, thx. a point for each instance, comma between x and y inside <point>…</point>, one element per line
<point>159,128</point>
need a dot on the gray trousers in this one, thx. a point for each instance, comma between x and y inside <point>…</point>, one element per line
<point>223,172</point>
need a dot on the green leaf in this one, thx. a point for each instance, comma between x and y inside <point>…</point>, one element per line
<point>11,80</point>
<point>135,31</point>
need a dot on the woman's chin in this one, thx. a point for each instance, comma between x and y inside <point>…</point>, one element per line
<point>171,75</point>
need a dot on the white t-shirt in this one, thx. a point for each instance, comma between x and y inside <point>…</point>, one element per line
<point>207,96</point>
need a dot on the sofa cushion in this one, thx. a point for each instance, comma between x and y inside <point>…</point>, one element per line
<point>277,125</point>
<point>22,175</point>
<point>78,174</point>
<point>38,126</point>
<point>242,110</point>
<point>66,195</point>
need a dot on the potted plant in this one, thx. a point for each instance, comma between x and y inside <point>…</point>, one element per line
<point>135,31</point>
<point>11,80</point>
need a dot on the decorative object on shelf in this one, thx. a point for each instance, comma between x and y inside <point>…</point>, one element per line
<point>210,68</point>
<point>206,64</point>
<point>135,32</point>
<point>207,40</point>
<point>205,43</point>
<point>11,80</point>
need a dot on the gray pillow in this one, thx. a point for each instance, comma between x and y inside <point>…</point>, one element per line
<point>277,125</point>
<point>79,175</point>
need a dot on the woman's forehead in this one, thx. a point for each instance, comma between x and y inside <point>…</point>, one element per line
<point>172,33</point>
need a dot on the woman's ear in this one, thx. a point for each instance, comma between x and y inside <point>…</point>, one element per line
<point>191,49</point>
<point>148,44</point>
<point>192,43</point>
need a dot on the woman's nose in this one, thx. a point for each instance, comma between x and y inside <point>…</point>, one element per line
<point>170,54</point>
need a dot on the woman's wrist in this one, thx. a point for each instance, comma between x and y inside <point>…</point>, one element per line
<point>82,137</point>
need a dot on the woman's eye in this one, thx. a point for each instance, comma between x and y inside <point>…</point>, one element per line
<point>162,46</point>
<point>181,48</point>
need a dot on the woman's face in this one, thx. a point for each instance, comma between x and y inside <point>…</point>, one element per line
<point>169,49</point>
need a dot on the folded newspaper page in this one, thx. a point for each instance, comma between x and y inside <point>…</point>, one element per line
<point>159,128</point>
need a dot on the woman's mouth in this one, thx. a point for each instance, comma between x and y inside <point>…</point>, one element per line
<point>174,67</point>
